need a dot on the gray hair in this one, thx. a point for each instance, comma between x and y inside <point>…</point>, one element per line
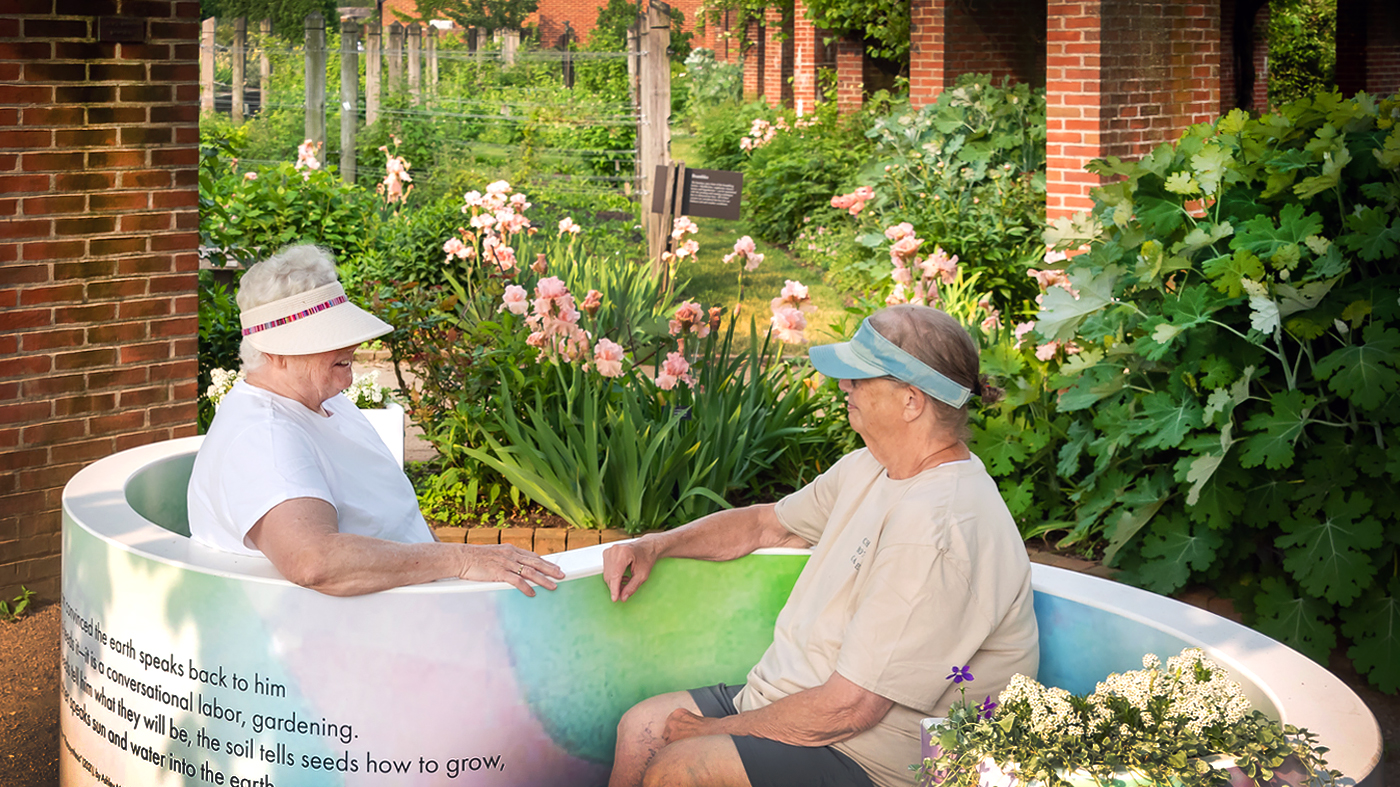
<point>942,344</point>
<point>292,270</point>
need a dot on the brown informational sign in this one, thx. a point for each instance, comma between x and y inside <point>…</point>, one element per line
<point>120,29</point>
<point>708,193</point>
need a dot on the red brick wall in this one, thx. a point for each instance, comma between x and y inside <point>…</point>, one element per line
<point>1004,39</point>
<point>1368,46</point>
<point>927,50</point>
<point>1123,77</point>
<point>850,75</point>
<point>775,44</point>
<point>1073,80</point>
<point>98,311</point>
<point>753,57</point>
<point>805,59</point>
<point>1383,49</point>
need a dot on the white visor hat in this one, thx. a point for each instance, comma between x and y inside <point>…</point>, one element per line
<point>310,322</point>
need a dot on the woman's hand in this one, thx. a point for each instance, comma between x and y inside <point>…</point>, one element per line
<point>510,564</point>
<point>635,555</point>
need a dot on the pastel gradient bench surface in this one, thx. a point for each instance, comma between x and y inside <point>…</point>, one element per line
<point>180,663</point>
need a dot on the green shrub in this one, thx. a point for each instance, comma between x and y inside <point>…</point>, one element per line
<point>220,334</point>
<point>968,172</point>
<point>1229,413</point>
<point>798,168</point>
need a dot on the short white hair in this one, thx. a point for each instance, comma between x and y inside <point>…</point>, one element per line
<point>293,270</point>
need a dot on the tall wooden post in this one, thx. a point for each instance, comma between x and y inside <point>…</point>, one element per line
<point>432,61</point>
<point>415,64</point>
<point>316,79</point>
<point>240,77</point>
<point>567,60</point>
<point>510,44</point>
<point>374,66</point>
<point>206,64</point>
<point>395,58</point>
<point>654,119</point>
<point>349,96</point>
<point>264,63</point>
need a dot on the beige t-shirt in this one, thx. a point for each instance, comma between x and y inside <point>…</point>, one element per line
<point>907,579</point>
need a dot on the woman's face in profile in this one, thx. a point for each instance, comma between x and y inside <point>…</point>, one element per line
<point>327,373</point>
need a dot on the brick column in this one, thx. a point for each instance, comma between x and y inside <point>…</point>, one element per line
<point>773,57</point>
<point>926,51</point>
<point>1123,77</point>
<point>98,305</point>
<point>1073,89</point>
<point>805,56</point>
<point>1368,47</point>
<point>751,54</point>
<point>850,75</point>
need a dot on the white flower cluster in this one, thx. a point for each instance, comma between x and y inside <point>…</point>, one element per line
<point>222,381</point>
<point>1052,715</point>
<point>366,392</point>
<point>1194,690</point>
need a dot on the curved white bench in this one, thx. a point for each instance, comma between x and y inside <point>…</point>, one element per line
<point>181,663</point>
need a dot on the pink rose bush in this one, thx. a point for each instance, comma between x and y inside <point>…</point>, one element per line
<point>854,202</point>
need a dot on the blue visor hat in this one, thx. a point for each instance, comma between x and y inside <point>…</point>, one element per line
<point>868,354</point>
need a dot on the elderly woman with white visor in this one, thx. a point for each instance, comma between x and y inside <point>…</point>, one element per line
<point>917,569</point>
<point>291,470</point>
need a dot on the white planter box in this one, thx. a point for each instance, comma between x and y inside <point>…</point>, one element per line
<point>388,422</point>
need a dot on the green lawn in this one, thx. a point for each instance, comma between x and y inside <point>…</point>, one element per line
<point>711,282</point>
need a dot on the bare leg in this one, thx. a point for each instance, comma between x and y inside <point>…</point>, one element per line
<point>639,736</point>
<point>707,761</point>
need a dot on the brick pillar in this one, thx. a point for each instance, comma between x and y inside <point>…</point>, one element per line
<point>1073,88</point>
<point>805,57</point>
<point>752,58</point>
<point>1123,77</point>
<point>773,76</point>
<point>850,75</point>
<point>1368,47</point>
<point>926,50</point>
<point>98,305</point>
<point>1260,98</point>
<point>1383,49</point>
<point>1351,45</point>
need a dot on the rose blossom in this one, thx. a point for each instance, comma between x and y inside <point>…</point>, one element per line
<point>898,231</point>
<point>941,265</point>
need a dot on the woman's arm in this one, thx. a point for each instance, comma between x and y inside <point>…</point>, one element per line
<point>723,535</point>
<point>301,538</point>
<point>827,714</point>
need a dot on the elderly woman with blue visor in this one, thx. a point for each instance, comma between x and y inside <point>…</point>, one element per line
<point>918,581</point>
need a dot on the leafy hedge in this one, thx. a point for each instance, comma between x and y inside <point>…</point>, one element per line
<point>1222,396</point>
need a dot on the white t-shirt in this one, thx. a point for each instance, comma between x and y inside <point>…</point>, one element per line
<point>264,449</point>
<point>907,580</point>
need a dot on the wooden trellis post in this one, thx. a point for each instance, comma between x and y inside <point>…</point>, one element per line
<point>349,96</point>
<point>654,120</point>
<point>238,52</point>
<point>415,64</point>
<point>264,64</point>
<point>316,79</point>
<point>432,61</point>
<point>395,57</point>
<point>374,66</point>
<point>206,64</point>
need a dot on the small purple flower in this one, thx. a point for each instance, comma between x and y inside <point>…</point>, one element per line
<point>960,674</point>
<point>987,708</point>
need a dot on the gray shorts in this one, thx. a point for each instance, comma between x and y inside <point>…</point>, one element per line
<point>773,764</point>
